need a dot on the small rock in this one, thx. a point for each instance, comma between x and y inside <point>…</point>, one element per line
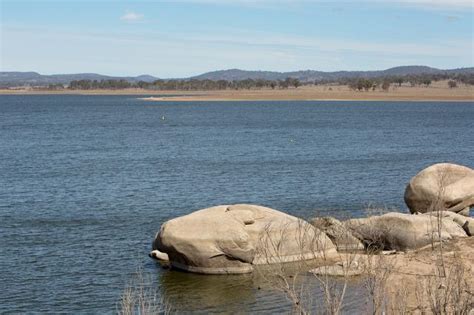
<point>339,269</point>
<point>156,254</point>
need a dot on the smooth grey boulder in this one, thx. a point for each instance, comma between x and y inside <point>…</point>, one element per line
<point>338,233</point>
<point>441,187</point>
<point>400,231</point>
<point>233,238</point>
<point>466,223</point>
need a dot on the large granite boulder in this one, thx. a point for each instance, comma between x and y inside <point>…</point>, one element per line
<point>338,233</point>
<point>400,231</point>
<point>233,238</point>
<point>466,223</point>
<point>441,187</point>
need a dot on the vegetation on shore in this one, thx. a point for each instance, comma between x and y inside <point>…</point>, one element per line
<point>356,84</point>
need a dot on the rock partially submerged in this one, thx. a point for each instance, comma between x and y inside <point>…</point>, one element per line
<point>233,238</point>
<point>338,233</point>
<point>399,231</point>
<point>441,187</point>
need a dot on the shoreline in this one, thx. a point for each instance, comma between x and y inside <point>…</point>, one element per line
<point>179,99</point>
<point>437,92</point>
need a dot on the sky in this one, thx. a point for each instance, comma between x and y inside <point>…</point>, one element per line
<point>177,39</point>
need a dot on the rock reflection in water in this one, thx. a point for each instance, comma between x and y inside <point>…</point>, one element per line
<point>195,292</point>
<point>248,293</point>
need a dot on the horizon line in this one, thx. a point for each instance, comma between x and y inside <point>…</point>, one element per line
<point>230,69</point>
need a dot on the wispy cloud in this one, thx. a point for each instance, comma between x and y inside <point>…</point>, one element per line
<point>449,3</point>
<point>131,16</point>
<point>170,55</point>
<point>452,18</point>
<point>425,3</point>
<point>256,41</point>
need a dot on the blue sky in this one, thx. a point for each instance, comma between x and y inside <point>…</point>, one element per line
<point>189,37</point>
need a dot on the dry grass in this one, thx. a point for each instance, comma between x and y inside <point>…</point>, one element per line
<point>139,298</point>
<point>292,278</point>
<point>437,279</point>
<point>377,272</point>
<point>447,292</point>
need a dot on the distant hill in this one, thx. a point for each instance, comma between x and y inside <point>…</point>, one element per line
<point>312,75</point>
<point>36,79</point>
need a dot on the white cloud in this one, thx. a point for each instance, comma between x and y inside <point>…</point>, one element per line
<point>183,54</point>
<point>421,3</point>
<point>132,17</point>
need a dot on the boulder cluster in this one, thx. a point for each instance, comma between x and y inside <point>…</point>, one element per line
<point>234,238</point>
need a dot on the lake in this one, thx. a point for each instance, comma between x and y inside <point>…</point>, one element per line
<point>86,182</point>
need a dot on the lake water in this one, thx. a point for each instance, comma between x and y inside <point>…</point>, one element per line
<point>86,181</point>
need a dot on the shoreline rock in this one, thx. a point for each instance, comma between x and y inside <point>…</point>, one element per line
<point>338,233</point>
<point>340,269</point>
<point>441,187</point>
<point>399,231</point>
<point>467,223</point>
<point>232,238</point>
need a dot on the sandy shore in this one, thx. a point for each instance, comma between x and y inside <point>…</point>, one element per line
<point>409,276</point>
<point>438,91</point>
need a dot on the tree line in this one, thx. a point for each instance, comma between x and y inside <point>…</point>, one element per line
<point>186,85</point>
<point>384,83</point>
<point>359,84</point>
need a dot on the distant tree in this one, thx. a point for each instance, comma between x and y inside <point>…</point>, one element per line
<point>352,85</point>
<point>399,80</point>
<point>221,84</point>
<point>359,84</point>
<point>143,84</point>
<point>466,78</point>
<point>57,86</point>
<point>283,84</point>
<point>367,84</point>
<point>296,83</point>
<point>289,82</point>
<point>452,84</point>
<point>374,85</point>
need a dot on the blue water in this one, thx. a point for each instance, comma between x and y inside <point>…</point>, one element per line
<point>86,181</point>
